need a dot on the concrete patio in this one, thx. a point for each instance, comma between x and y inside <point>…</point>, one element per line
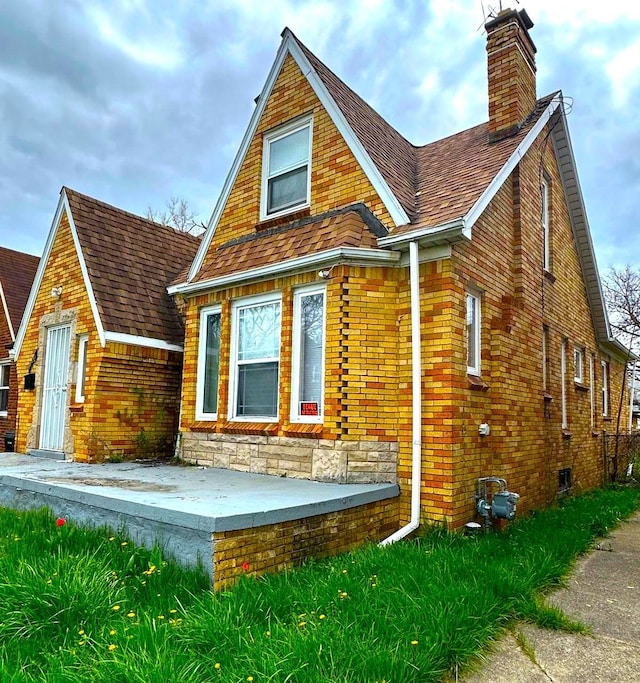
<point>185,509</point>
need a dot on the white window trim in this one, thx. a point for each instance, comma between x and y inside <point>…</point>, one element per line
<point>563,383</point>
<point>605,388</point>
<point>544,188</point>
<point>81,369</point>
<point>578,362</point>
<point>4,413</point>
<point>474,369</point>
<point>272,297</point>
<point>277,134</point>
<point>295,355</point>
<point>592,391</point>
<point>202,354</point>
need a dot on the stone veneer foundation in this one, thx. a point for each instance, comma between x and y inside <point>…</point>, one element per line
<point>345,462</point>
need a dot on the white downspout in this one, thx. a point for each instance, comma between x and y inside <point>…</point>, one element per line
<point>632,392</point>
<point>416,382</point>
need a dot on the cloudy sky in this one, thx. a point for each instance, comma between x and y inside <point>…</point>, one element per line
<point>136,101</point>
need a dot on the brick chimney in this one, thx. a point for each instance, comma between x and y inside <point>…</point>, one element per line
<point>511,65</point>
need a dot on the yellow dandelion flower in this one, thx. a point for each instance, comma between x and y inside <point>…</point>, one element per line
<point>48,582</point>
<point>81,632</point>
<point>160,616</point>
<point>344,595</point>
<point>414,642</point>
<point>302,624</point>
<point>249,678</point>
<point>216,666</point>
<point>268,634</point>
<point>115,608</point>
<point>123,544</point>
<point>112,538</point>
<point>344,571</point>
<point>112,632</point>
<point>81,642</point>
<point>172,611</point>
<point>112,647</point>
<point>131,614</point>
<point>322,616</point>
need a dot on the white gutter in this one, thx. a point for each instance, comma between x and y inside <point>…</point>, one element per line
<point>450,231</point>
<point>311,260</point>
<point>135,340</point>
<point>416,381</point>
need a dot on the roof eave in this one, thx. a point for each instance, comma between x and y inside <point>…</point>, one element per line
<point>445,233</point>
<point>351,255</point>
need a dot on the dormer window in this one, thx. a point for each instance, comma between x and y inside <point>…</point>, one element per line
<point>286,169</point>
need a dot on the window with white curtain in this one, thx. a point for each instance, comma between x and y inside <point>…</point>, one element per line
<point>307,390</point>
<point>81,378</point>
<point>473,334</point>
<point>255,358</point>
<point>4,388</point>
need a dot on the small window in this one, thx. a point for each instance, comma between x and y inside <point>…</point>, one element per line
<point>256,359</point>
<point>605,389</point>
<point>578,364</point>
<point>5,369</point>
<point>563,383</point>
<point>564,479</point>
<point>473,334</point>
<point>308,355</point>
<point>81,377</point>
<point>545,358</point>
<point>208,363</point>
<point>544,191</point>
<point>286,169</point>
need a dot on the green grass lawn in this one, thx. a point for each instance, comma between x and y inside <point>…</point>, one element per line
<point>79,605</point>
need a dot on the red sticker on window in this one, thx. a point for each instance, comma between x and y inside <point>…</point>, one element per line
<point>309,408</point>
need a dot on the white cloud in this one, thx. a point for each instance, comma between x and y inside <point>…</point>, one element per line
<point>624,73</point>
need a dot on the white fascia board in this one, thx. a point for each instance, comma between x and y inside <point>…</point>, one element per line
<point>5,308</point>
<point>492,189</point>
<point>134,340</point>
<point>321,258</point>
<point>290,46</point>
<point>451,231</point>
<point>393,206</point>
<point>580,226</point>
<point>85,273</point>
<point>239,160</point>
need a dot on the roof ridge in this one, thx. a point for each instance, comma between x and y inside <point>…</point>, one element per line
<point>117,209</point>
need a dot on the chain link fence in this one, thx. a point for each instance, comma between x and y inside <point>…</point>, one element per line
<point>621,456</point>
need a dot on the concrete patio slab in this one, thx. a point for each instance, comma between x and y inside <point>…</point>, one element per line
<point>177,507</point>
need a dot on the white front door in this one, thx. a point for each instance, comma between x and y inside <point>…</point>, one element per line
<point>54,391</point>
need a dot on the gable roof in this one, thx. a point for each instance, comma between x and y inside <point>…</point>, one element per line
<point>126,262</point>
<point>434,193</point>
<point>17,271</point>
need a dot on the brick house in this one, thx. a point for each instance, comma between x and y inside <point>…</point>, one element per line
<point>360,306</point>
<point>17,271</point>
<point>100,344</point>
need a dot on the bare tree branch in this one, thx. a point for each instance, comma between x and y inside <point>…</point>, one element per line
<point>177,215</point>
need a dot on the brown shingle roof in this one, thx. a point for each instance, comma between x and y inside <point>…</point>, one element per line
<point>349,227</point>
<point>17,271</point>
<point>393,155</point>
<point>130,261</point>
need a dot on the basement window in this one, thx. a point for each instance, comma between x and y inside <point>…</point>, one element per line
<point>564,480</point>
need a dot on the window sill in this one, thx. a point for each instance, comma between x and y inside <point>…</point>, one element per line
<point>549,276</point>
<point>476,383</point>
<point>254,428</point>
<point>78,409</point>
<point>203,426</point>
<point>566,434</point>
<point>594,433</point>
<point>304,430</point>
<point>606,418</point>
<point>282,219</point>
<point>547,397</point>
<point>581,387</point>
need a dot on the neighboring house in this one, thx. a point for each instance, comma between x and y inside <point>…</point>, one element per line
<point>17,271</point>
<point>362,309</point>
<point>100,343</point>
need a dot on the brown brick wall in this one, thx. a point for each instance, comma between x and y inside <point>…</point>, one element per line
<point>275,547</point>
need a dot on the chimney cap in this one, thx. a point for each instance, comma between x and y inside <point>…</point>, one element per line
<point>502,16</point>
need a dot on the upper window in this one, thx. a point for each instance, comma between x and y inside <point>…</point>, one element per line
<point>544,190</point>
<point>578,363</point>
<point>82,367</point>
<point>473,334</point>
<point>255,358</point>
<point>208,363</point>
<point>4,389</point>
<point>286,169</point>
<point>308,355</point>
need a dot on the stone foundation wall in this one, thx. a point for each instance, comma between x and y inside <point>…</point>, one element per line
<point>345,462</point>
<point>275,547</point>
